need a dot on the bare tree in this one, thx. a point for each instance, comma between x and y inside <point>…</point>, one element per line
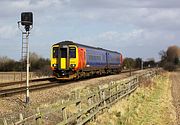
<point>6,64</point>
<point>170,58</point>
<point>173,53</point>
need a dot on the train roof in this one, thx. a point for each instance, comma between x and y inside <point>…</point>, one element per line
<point>73,43</point>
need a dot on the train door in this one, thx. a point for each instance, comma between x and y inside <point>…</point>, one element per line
<point>54,57</point>
<point>64,58</point>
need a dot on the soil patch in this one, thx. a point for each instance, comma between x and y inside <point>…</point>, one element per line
<point>175,78</point>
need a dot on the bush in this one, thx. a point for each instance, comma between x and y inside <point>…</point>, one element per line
<point>44,71</point>
<point>169,66</point>
<point>129,63</point>
<point>37,64</point>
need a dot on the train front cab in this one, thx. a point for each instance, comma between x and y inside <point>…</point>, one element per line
<point>64,61</point>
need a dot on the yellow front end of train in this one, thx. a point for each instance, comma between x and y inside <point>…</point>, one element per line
<point>64,61</point>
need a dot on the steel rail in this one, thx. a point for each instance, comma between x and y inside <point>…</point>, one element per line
<point>24,81</point>
<point>22,89</point>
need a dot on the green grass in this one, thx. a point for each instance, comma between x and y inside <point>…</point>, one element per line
<point>149,105</point>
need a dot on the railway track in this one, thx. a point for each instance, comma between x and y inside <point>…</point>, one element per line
<point>21,82</point>
<point>50,83</point>
<point>22,89</point>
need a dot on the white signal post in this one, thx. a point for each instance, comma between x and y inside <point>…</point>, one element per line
<point>27,22</point>
<point>141,64</point>
<point>27,72</point>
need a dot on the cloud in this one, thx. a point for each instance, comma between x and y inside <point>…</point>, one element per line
<point>158,19</point>
<point>111,4</point>
<point>8,32</point>
<point>113,24</point>
<point>120,36</point>
<point>11,7</point>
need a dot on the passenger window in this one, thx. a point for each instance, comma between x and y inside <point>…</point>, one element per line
<point>72,52</point>
<point>55,52</point>
<point>63,53</point>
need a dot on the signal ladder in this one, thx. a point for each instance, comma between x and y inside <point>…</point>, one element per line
<point>24,52</point>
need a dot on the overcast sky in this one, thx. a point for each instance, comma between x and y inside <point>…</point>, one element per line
<point>137,28</point>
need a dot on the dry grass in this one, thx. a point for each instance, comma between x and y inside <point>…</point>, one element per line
<point>149,105</point>
<point>15,76</point>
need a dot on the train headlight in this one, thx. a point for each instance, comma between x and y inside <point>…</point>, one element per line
<point>54,65</point>
<point>73,65</point>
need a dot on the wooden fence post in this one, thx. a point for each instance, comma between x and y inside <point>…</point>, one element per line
<point>5,121</point>
<point>137,79</point>
<point>2,77</point>
<point>89,101</point>
<point>77,94</point>
<point>89,98</point>
<point>117,91</point>
<point>110,94</point>
<point>78,106</point>
<point>130,72</point>
<point>113,91</point>
<point>14,76</point>
<point>21,117</point>
<point>100,93</point>
<point>129,85</point>
<point>38,119</point>
<point>64,113</point>
<point>104,97</point>
<point>94,99</point>
<point>21,76</point>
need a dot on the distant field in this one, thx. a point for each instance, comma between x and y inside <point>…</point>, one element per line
<point>14,76</point>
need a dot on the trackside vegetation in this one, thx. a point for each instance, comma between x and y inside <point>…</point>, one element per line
<point>38,64</point>
<point>151,104</point>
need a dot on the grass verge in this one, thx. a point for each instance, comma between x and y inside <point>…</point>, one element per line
<point>151,104</point>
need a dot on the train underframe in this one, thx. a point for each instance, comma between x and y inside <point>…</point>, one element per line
<point>84,73</point>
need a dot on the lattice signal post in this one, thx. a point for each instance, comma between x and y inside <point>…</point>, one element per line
<point>25,27</point>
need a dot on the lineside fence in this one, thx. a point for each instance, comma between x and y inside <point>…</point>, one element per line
<point>81,108</point>
<point>17,76</point>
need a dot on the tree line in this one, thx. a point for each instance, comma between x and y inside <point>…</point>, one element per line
<point>40,64</point>
<point>37,64</point>
<point>170,60</point>
<point>138,63</point>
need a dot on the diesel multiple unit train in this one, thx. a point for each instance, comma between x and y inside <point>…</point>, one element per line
<point>71,60</point>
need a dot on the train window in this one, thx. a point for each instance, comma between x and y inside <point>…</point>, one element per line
<point>72,52</point>
<point>55,52</point>
<point>63,52</point>
<point>90,57</point>
<point>99,58</point>
<point>93,57</point>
